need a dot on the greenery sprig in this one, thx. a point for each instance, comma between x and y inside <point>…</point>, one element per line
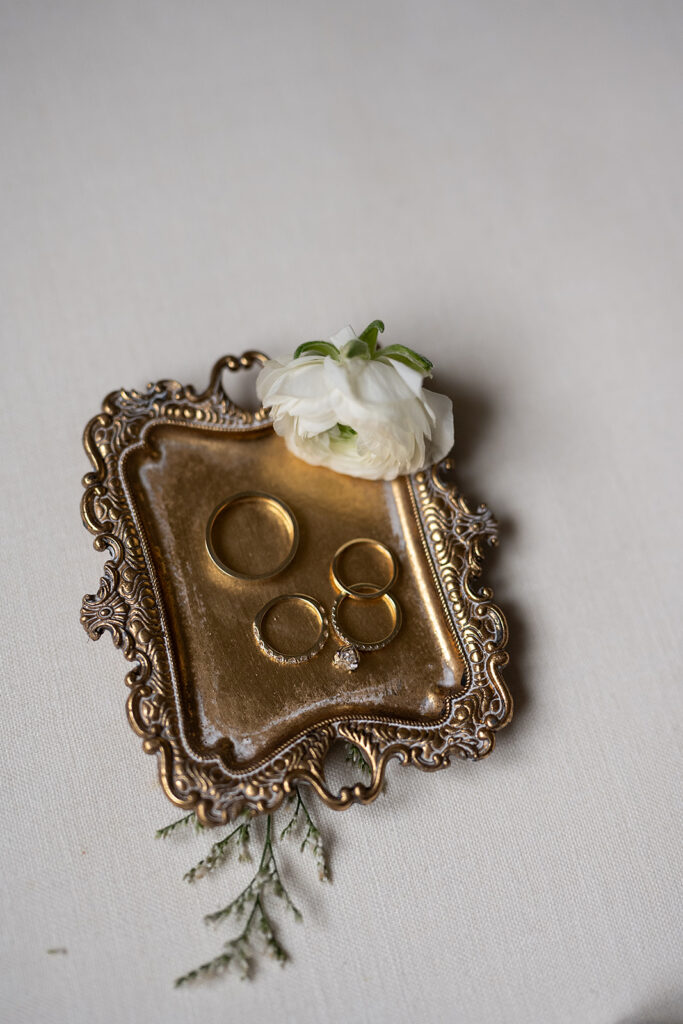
<point>239,837</point>
<point>311,839</point>
<point>354,757</point>
<point>266,877</point>
<point>240,950</point>
<point>257,934</point>
<point>189,819</point>
<point>365,346</point>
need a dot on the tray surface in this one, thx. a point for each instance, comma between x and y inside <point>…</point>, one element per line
<point>237,702</point>
<point>232,727</point>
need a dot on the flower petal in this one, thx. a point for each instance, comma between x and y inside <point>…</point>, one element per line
<point>442,437</point>
<point>409,376</point>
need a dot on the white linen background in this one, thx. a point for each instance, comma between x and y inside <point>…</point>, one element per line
<point>502,184</point>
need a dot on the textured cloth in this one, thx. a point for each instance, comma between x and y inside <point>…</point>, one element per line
<point>501,184</point>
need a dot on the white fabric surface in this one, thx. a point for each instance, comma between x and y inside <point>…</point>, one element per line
<point>502,184</point>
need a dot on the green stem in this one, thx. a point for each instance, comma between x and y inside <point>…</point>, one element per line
<point>268,845</point>
<point>161,833</point>
<point>245,930</point>
<point>301,803</point>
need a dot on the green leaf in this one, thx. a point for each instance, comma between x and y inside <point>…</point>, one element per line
<point>405,355</point>
<point>356,347</point>
<point>370,333</point>
<point>345,430</point>
<point>321,348</point>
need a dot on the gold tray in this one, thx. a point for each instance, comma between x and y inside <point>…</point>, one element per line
<point>232,728</point>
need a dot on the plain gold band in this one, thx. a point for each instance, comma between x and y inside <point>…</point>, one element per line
<point>352,590</point>
<point>282,510</point>
<point>295,659</point>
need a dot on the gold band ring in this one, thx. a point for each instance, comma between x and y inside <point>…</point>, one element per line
<point>294,659</point>
<point>359,645</point>
<point>278,507</point>
<point>364,591</point>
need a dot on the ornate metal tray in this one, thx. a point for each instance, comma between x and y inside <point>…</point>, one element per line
<point>231,728</point>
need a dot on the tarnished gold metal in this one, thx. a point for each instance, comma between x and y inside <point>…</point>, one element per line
<point>364,591</point>
<point>232,729</point>
<point>270,501</point>
<point>291,659</point>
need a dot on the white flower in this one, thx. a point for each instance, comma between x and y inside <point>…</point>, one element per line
<point>360,410</point>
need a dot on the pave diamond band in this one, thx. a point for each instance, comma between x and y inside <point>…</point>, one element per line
<point>292,659</point>
<point>347,656</point>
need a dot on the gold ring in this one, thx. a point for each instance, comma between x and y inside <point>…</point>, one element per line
<point>363,591</point>
<point>278,507</point>
<point>348,655</point>
<point>295,659</point>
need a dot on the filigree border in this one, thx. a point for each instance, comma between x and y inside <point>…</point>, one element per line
<point>127,606</point>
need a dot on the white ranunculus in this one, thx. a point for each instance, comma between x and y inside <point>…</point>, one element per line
<point>361,411</point>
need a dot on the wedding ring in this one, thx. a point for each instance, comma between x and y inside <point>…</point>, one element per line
<point>364,591</point>
<point>347,656</point>
<point>295,659</point>
<point>279,509</point>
